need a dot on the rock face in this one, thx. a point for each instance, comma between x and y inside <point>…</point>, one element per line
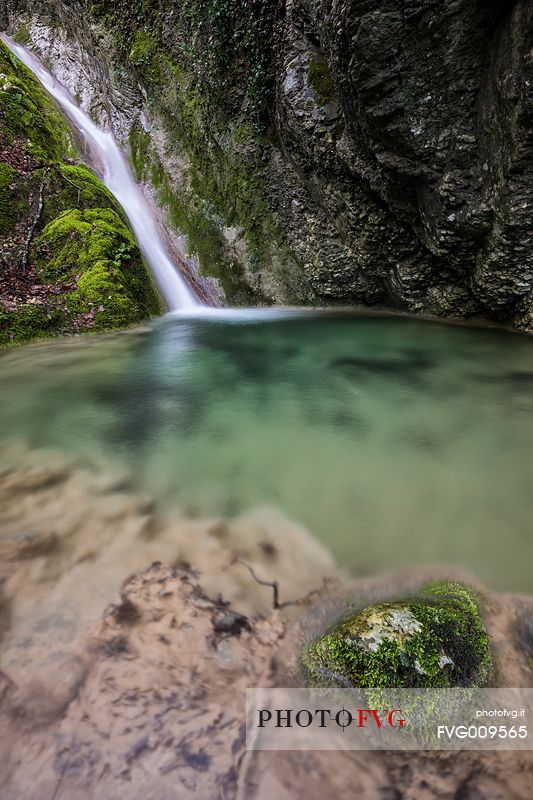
<point>347,152</point>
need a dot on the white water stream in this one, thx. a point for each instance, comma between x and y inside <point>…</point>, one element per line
<point>116,175</point>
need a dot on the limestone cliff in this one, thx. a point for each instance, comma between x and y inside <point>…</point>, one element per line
<point>319,152</point>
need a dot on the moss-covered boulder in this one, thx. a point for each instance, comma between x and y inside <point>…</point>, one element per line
<point>94,248</point>
<point>68,259</point>
<point>434,640</point>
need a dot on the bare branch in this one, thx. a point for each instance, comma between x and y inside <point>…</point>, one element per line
<point>273,584</point>
<point>275,588</point>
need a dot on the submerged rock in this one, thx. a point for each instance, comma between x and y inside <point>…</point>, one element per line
<point>436,639</point>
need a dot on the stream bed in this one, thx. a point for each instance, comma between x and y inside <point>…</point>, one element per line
<point>393,441</point>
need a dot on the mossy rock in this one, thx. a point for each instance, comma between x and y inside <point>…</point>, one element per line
<point>82,189</point>
<point>30,322</point>
<point>434,640</point>
<point>28,114</point>
<point>144,54</point>
<point>95,248</point>
<point>8,209</point>
<point>321,81</point>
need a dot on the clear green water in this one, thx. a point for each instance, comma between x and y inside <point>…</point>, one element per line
<point>392,440</point>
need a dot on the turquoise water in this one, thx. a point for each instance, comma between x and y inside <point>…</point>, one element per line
<point>393,440</point>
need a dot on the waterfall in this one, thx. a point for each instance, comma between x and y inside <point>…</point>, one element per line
<point>117,176</point>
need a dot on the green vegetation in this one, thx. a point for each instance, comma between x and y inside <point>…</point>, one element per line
<point>211,89</point>
<point>144,54</point>
<point>226,46</point>
<point>80,187</point>
<point>95,247</point>
<point>8,209</point>
<point>435,640</point>
<point>139,142</point>
<point>27,113</point>
<point>224,187</point>
<point>31,322</point>
<point>321,81</point>
<point>22,36</point>
<point>200,221</point>
<point>85,270</point>
<point>232,50</point>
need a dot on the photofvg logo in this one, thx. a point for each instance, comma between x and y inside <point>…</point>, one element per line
<point>389,719</point>
<point>305,717</point>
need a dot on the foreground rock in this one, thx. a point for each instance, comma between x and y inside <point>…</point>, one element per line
<point>151,706</point>
<point>72,533</point>
<point>116,685</point>
<point>154,702</point>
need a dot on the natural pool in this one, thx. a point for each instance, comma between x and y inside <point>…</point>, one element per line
<point>392,440</point>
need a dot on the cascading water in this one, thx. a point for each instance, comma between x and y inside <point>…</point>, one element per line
<point>117,177</point>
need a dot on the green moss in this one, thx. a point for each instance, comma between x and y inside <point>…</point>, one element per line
<point>22,36</point>
<point>94,247</point>
<point>82,242</point>
<point>143,49</point>
<point>198,219</point>
<point>144,54</point>
<point>435,640</point>
<point>28,114</point>
<point>230,48</point>
<point>321,81</point>
<point>139,142</point>
<point>32,322</point>
<point>244,134</point>
<point>222,191</point>
<point>8,209</point>
<point>82,188</point>
<point>93,251</point>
